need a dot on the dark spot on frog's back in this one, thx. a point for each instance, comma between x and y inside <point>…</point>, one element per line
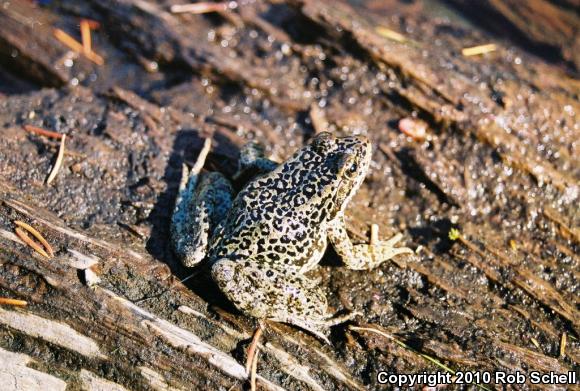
<point>245,244</point>
<point>300,236</point>
<point>315,215</point>
<point>295,226</point>
<point>297,177</point>
<point>309,190</point>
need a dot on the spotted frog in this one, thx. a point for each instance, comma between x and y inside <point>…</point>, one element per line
<point>261,243</point>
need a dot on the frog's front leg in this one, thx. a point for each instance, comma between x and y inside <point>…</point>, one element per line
<point>198,210</point>
<point>268,291</point>
<point>362,256</point>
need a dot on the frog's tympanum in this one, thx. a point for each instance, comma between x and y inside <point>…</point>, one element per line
<point>261,242</point>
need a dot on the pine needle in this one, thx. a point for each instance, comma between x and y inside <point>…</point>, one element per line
<point>58,161</point>
<point>14,302</point>
<point>478,50</point>
<point>42,132</point>
<point>37,235</point>
<point>77,46</point>
<point>26,239</point>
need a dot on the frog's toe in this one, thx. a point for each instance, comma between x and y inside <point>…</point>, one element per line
<point>335,320</point>
<point>387,249</point>
<point>318,330</point>
<point>249,153</point>
<point>321,327</point>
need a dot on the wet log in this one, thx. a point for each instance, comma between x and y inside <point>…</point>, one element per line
<point>487,196</point>
<point>86,321</point>
<point>549,28</point>
<point>29,47</point>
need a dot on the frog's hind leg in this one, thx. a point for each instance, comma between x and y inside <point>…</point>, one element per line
<point>268,291</point>
<point>198,209</point>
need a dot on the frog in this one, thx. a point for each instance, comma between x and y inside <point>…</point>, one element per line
<point>261,243</point>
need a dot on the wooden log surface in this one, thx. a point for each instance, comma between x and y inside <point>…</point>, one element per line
<point>550,27</point>
<point>498,162</point>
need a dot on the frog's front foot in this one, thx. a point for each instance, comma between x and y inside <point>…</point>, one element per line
<point>369,256</point>
<point>378,251</point>
<point>363,256</point>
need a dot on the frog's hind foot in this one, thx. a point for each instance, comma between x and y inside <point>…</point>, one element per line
<point>387,249</point>
<point>202,201</point>
<point>339,319</point>
<point>369,256</point>
<point>318,330</point>
<point>321,328</point>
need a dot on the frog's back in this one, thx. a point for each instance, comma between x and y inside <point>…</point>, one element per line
<point>280,217</point>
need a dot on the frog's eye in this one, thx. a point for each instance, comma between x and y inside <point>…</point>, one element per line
<point>351,170</point>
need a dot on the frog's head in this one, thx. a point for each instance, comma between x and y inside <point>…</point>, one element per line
<point>345,160</point>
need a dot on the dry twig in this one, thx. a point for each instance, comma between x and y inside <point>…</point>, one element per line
<point>318,118</point>
<point>202,7</point>
<point>252,349</point>
<point>254,370</point>
<point>390,34</point>
<point>563,345</point>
